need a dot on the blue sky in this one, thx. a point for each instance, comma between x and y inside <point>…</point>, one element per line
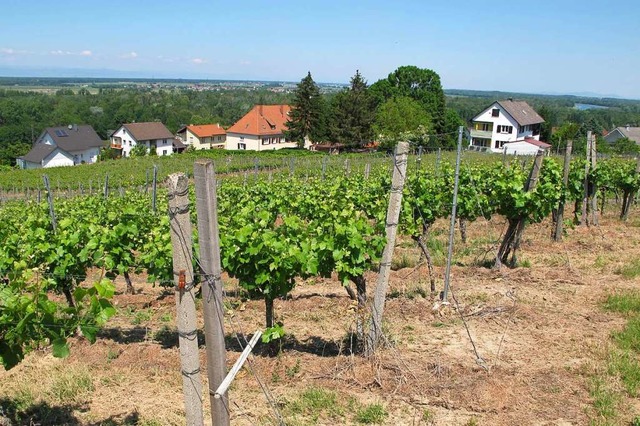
<point>543,47</point>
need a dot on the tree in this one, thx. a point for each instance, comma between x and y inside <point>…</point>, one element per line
<point>623,146</point>
<point>452,123</point>
<point>420,84</point>
<point>353,114</point>
<point>401,118</point>
<point>306,118</point>
<point>568,131</point>
<point>139,150</point>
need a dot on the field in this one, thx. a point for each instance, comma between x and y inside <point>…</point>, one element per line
<point>553,339</point>
<point>541,330</point>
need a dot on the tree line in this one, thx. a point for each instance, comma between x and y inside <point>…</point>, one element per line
<point>409,104</point>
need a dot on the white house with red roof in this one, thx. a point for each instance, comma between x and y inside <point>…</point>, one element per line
<point>153,135</point>
<point>505,122</point>
<point>206,136</point>
<point>261,129</point>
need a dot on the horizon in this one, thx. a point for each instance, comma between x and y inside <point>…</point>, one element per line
<point>554,48</point>
<point>125,78</point>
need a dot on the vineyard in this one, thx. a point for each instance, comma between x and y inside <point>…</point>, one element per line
<point>300,240</point>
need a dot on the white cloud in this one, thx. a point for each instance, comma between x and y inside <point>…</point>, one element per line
<point>60,52</point>
<point>7,51</point>
<point>199,61</point>
<point>245,63</point>
<point>130,55</point>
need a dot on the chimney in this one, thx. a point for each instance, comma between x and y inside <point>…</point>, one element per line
<point>510,99</point>
<point>260,109</point>
<point>218,124</point>
<point>281,109</point>
<point>628,127</point>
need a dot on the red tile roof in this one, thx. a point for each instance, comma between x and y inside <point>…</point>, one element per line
<point>263,120</point>
<point>538,143</point>
<point>206,130</point>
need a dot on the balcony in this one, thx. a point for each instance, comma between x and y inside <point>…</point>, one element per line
<point>116,143</point>
<point>481,134</point>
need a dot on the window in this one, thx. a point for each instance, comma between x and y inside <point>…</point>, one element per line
<point>484,127</point>
<point>164,152</point>
<point>500,144</point>
<point>495,112</point>
<point>505,129</point>
<point>265,141</point>
<point>242,145</point>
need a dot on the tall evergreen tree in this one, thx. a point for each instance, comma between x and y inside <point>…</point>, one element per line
<point>306,118</point>
<point>354,114</point>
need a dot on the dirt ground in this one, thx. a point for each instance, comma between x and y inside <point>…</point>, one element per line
<point>539,330</point>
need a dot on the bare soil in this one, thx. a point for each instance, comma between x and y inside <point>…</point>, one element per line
<point>540,333</point>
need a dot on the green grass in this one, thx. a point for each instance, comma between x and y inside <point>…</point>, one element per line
<point>605,402</point>
<point>629,337</point>
<point>625,303</point>
<point>403,261</point>
<point>316,403</point>
<point>70,385</point>
<point>371,414</point>
<point>323,406</point>
<point>625,365</point>
<point>631,270</point>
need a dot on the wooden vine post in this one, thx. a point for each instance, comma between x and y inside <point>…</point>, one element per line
<point>557,236</point>
<point>584,219</point>
<point>594,192</point>
<point>213,310</point>
<point>186,318</point>
<point>375,337</point>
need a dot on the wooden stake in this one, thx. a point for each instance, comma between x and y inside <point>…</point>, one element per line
<point>557,236</point>
<point>213,311</point>
<point>52,214</point>
<point>186,318</point>
<point>375,337</point>
<point>154,189</point>
<point>594,195</point>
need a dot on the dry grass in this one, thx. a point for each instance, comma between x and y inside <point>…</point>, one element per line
<point>540,331</point>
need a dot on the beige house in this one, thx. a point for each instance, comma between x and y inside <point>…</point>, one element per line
<point>261,129</point>
<point>206,136</point>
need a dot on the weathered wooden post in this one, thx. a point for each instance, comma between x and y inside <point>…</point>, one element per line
<point>186,318</point>
<point>375,336</point>
<point>557,236</point>
<point>213,311</point>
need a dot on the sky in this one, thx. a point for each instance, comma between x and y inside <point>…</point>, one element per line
<point>543,46</point>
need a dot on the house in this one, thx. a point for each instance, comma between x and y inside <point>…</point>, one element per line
<point>503,122</point>
<point>527,146</point>
<point>261,129</point>
<point>631,133</point>
<point>153,135</point>
<point>206,136</point>
<point>63,146</point>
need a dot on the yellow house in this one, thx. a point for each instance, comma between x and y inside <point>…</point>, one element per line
<point>206,136</point>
